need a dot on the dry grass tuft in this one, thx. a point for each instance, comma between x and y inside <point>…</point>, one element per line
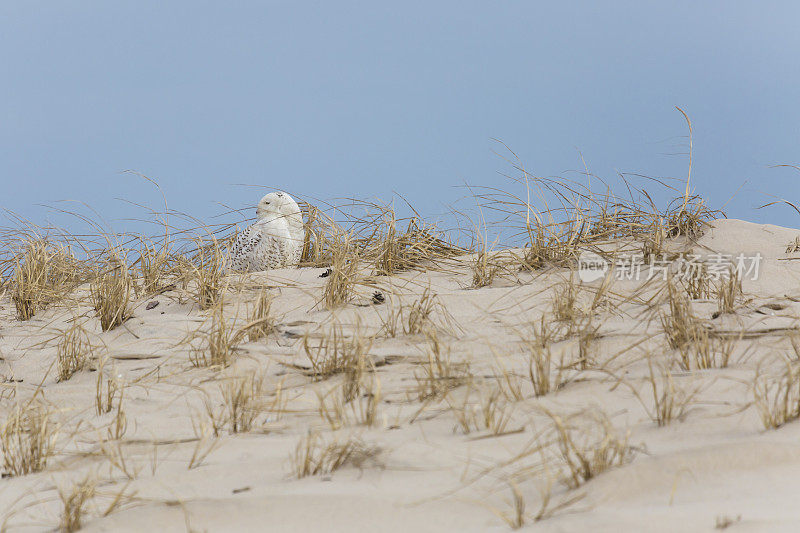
<point>793,246</point>
<point>208,270</point>
<point>439,374</point>
<point>588,333</point>
<point>27,438</point>
<point>72,352</point>
<point>537,344</point>
<point>653,247</point>
<point>388,248</point>
<point>336,353</point>
<point>119,425</point>
<point>217,345</point>
<point>729,292</point>
<point>111,293</point>
<point>587,450</point>
<point>425,314</point>
<point>316,225</point>
<point>777,397</point>
<point>697,282</point>
<point>104,400</point>
<point>241,396</point>
<point>689,219</point>
<point>669,402</point>
<point>548,247</point>
<point>42,275</point>
<point>680,325</point>
<point>493,413</point>
<point>154,267</point>
<point>74,502</point>
<point>391,250</point>
<point>515,519</point>
<point>420,317</point>
<point>262,323</point>
<point>484,269</point>
<point>314,455</point>
<point>30,278</point>
<point>338,289</point>
<point>565,303</point>
<point>339,405</point>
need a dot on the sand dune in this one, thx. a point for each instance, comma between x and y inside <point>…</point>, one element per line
<point>444,424</point>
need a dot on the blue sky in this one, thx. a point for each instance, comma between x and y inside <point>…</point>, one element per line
<point>334,99</point>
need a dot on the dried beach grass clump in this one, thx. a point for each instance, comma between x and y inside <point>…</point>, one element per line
<point>317,226</point>
<point>315,455</point>
<point>793,246</point>
<point>670,402</point>
<point>30,278</point>
<point>680,325</point>
<point>729,292</point>
<point>545,373</point>
<point>43,273</point>
<point>551,245</point>
<point>689,218</point>
<point>424,315</point>
<point>217,344</point>
<point>27,439</point>
<point>439,374</point>
<point>262,322</point>
<point>111,292</point>
<point>565,304</point>
<point>777,396</point>
<point>337,352</point>
<point>484,269</point>
<point>588,445</point>
<point>339,286</point>
<point>653,247</point>
<point>155,267</point>
<point>73,502</point>
<point>357,399</point>
<point>241,396</point>
<point>72,352</point>
<point>493,413</point>
<point>421,245</point>
<point>697,281</point>
<point>208,265</point>
<point>243,402</point>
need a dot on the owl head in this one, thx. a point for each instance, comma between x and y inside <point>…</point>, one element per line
<point>277,204</point>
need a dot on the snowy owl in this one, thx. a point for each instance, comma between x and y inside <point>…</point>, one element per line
<point>275,240</point>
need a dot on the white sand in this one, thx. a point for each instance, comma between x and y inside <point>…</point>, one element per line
<point>717,462</point>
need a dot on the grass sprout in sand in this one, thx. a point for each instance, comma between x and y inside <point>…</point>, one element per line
<point>111,293</point>
<point>27,438</point>
<point>216,344</point>
<point>315,455</point>
<point>43,273</point>
<point>72,352</point>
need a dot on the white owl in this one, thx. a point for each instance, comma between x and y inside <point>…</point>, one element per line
<point>275,240</point>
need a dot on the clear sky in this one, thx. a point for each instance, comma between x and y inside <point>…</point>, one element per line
<point>342,98</point>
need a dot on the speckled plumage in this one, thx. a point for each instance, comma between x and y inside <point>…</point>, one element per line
<point>274,241</point>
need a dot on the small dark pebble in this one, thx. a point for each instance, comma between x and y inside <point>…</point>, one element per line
<point>152,305</point>
<point>378,297</point>
<point>243,489</point>
<point>327,273</point>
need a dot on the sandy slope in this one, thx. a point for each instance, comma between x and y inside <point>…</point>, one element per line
<point>430,476</point>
